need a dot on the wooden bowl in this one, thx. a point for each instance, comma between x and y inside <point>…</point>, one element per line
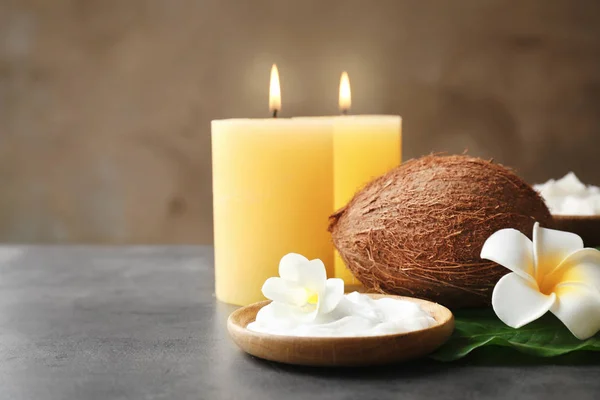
<point>345,351</point>
<point>588,227</point>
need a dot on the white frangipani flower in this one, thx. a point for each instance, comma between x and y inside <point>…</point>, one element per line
<point>302,290</point>
<point>552,273</point>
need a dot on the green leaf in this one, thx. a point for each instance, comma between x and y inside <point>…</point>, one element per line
<point>545,337</point>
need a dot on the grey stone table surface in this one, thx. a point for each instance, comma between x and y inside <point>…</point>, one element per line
<point>143,323</point>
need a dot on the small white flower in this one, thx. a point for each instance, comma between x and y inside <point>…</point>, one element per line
<point>552,273</point>
<point>303,291</point>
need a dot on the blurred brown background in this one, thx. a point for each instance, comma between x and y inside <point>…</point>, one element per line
<point>105,105</point>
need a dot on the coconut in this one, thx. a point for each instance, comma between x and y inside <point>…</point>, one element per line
<point>418,230</point>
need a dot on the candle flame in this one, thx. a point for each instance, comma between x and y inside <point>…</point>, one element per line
<point>274,92</point>
<point>345,96</point>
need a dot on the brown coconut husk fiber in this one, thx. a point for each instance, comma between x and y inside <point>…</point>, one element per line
<point>418,230</point>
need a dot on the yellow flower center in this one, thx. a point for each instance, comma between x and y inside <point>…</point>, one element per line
<point>312,297</point>
<point>549,283</point>
<point>546,286</point>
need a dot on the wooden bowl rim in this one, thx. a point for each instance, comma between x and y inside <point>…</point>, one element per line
<point>577,218</point>
<point>233,324</point>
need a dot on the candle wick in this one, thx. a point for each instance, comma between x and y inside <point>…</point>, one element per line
<point>345,111</point>
<point>275,113</point>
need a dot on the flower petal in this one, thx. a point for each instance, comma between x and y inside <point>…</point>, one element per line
<point>511,249</point>
<point>578,307</point>
<point>283,291</point>
<point>308,274</point>
<point>312,275</point>
<point>290,265</point>
<point>551,247</point>
<point>582,266</point>
<point>517,301</point>
<point>275,315</point>
<point>333,293</point>
<point>304,314</point>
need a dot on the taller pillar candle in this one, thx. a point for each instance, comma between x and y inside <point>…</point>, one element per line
<point>272,195</point>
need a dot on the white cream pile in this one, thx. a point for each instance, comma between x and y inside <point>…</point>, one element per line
<point>569,196</point>
<point>306,303</point>
<point>356,315</point>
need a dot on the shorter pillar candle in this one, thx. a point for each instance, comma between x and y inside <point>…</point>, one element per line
<point>364,147</point>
